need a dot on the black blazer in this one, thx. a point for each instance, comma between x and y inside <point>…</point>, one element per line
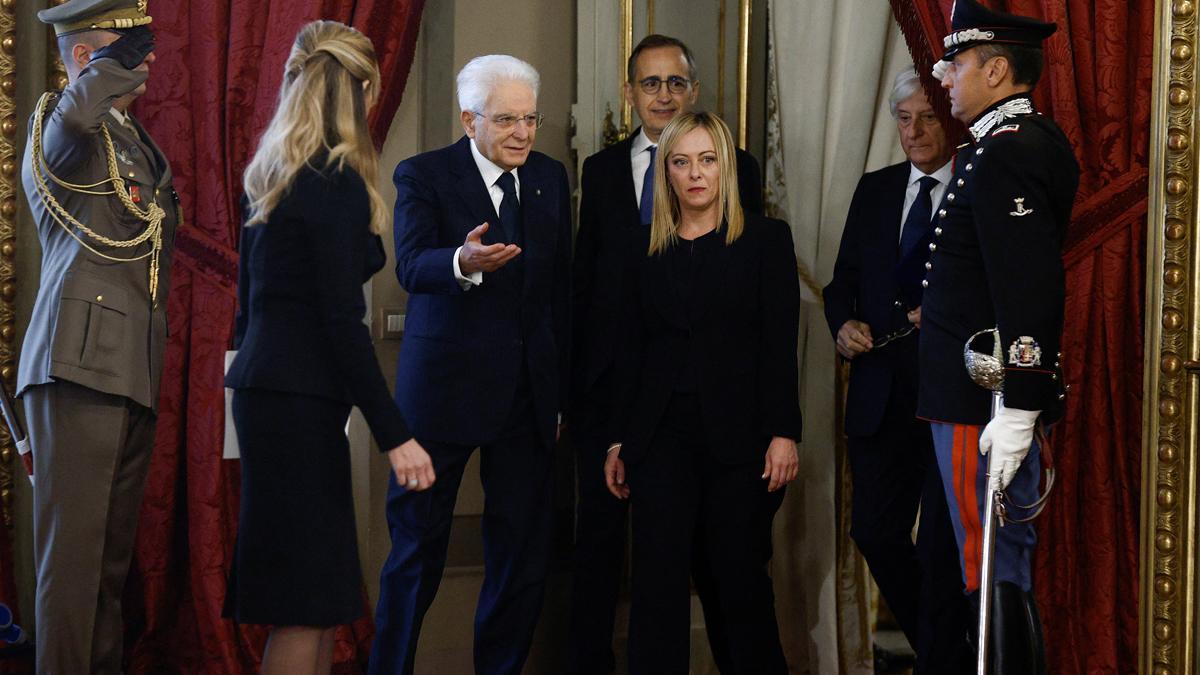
<point>608,216</point>
<point>749,296</point>
<point>463,350</point>
<point>864,287</point>
<point>300,301</point>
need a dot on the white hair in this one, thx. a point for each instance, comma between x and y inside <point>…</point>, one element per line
<point>906,84</point>
<point>480,76</point>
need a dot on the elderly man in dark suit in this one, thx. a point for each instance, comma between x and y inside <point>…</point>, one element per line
<point>873,307</point>
<point>616,201</point>
<point>101,193</point>
<point>483,245</point>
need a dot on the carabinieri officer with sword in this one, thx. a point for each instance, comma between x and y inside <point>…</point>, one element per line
<point>996,262</point>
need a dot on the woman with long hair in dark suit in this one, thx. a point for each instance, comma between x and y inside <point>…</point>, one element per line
<point>708,410</point>
<point>310,241</point>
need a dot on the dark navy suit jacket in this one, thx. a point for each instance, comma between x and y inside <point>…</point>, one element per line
<point>300,301</point>
<point>864,288</point>
<point>463,351</point>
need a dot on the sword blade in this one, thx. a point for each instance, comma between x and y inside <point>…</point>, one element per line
<point>985,566</point>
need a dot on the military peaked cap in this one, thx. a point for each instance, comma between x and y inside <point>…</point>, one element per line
<point>79,15</point>
<point>972,25</point>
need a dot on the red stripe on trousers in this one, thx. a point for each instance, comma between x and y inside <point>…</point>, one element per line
<point>965,457</point>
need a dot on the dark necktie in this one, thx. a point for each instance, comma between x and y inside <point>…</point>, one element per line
<point>647,205</point>
<point>914,244</point>
<point>510,210</point>
<point>920,215</point>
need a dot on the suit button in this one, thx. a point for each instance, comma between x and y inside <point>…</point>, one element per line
<point>942,213</point>
<point>950,197</point>
<point>937,231</point>
<point>898,303</point>
<point>924,283</point>
<point>932,247</point>
<point>99,298</point>
<point>979,151</point>
<point>961,182</point>
<point>970,167</point>
<point>928,266</point>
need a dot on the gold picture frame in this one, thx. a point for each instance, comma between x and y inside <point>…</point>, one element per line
<point>1167,566</point>
<point>10,171</point>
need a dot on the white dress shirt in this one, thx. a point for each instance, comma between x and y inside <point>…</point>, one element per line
<point>639,159</point>
<point>490,173</point>
<point>915,175</point>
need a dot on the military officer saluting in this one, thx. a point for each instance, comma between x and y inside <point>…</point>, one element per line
<point>101,194</point>
<point>996,263</point>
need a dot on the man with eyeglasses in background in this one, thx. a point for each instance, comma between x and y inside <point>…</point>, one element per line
<point>873,307</point>
<point>483,246</point>
<point>617,199</point>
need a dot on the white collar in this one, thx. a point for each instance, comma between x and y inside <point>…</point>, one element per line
<point>942,175</point>
<point>1011,108</point>
<point>120,116</point>
<point>488,169</point>
<point>640,143</point>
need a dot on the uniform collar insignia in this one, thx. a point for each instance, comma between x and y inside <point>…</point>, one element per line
<point>1007,110</point>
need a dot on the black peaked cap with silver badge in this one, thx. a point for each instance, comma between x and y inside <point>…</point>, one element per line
<point>972,25</point>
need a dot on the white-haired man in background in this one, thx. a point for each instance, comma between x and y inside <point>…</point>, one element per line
<point>873,307</point>
<point>483,246</point>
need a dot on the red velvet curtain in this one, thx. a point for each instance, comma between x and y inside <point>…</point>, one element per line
<point>1097,88</point>
<point>213,89</point>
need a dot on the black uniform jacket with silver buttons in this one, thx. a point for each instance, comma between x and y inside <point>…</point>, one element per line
<point>996,262</point>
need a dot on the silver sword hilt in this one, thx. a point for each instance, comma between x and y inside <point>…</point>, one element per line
<point>987,370</point>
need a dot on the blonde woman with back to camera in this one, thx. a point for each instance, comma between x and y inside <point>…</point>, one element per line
<point>311,239</point>
<point>707,412</point>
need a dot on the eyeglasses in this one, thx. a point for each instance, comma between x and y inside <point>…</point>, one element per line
<point>892,337</point>
<point>533,120</point>
<point>675,84</point>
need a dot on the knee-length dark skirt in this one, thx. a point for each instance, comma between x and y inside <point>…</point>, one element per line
<point>296,558</point>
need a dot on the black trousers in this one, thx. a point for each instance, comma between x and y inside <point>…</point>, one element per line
<point>894,472</point>
<point>601,523</point>
<point>681,496</point>
<point>515,469</point>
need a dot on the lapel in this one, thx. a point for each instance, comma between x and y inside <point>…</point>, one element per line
<point>135,159</point>
<point>156,153</point>
<point>536,218</point>
<point>891,210</point>
<point>471,190</point>
<point>623,171</point>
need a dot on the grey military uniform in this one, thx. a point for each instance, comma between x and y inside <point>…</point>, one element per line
<point>92,361</point>
<point>94,322</point>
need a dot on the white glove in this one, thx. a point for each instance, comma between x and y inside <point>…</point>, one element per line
<point>939,69</point>
<point>1007,439</point>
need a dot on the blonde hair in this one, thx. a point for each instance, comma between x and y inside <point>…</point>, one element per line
<point>330,82</point>
<point>664,226</point>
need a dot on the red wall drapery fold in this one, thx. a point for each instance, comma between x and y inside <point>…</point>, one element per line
<point>213,89</point>
<point>1096,87</point>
